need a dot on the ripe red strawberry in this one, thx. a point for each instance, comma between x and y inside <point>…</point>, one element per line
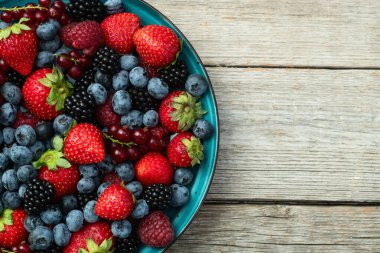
<point>18,47</point>
<point>24,118</point>
<point>84,144</point>
<point>155,230</point>
<point>45,92</point>
<point>115,203</point>
<point>83,35</point>
<point>179,111</point>
<point>185,150</point>
<point>112,177</point>
<point>158,46</point>
<point>97,236</point>
<point>12,231</point>
<point>118,31</point>
<point>154,168</point>
<point>105,114</point>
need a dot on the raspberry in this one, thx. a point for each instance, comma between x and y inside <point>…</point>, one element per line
<point>24,118</point>
<point>156,230</point>
<point>105,115</point>
<point>83,35</point>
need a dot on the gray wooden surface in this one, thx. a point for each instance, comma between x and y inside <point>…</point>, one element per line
<point>298,87</point>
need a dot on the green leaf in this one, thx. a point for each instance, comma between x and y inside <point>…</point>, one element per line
<point>53,78</point>
<point>22,20</point>
<point>91,245</point>
<point>46,82</point>
<point>60,105</point>
<point>15,29</point>
<point>1,227</point>
<point>5,33</point>
<point>24,27</point>
<point>53,97</point>
<point>82,251</point>
<point>57,143</point>
<point>63,163</point>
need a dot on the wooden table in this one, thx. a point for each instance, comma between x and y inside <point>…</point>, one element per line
<point>298,88</point>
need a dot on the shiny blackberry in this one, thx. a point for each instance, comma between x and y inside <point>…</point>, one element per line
<point>157,196</point>
<point>142,100</point>
<point>85,80</point>
<point>39,195</point>
<point>82,10</point>
<point>175,75</point>
<point>81,106</point>
<point>83,199</point>
<point>52,249</point>
<point>107,61</point>
<point>16,78</point>
<point>128,245</point>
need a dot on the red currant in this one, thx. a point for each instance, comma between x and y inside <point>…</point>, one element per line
<point>160,131</point>
<point>75,54</point>
<point>17,14</point>
<point>141,135</point>
<point>134,153</point>
<point>118,153</point>
<point>112,130</point>
<point>84,61</point>
<point>41,16</point>
<point>30,16</point>
<point>144,149</point>
<point>3,78</point>
<point>31,10</point>
<point>59,5</point>
<point>45,3</point>
<point>154,144</point>
<point>22,248</point>
<point>3,66</point>
<point>54,13</point>
<point>65,19</point>
<point>64,62</point>
<point>75,71</point>
<point>6,16</point>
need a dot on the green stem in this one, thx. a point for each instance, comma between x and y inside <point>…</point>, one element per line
<point>24,8</point>
<point>6,251</point>
<point>128,144</point>
<point>69,58</point>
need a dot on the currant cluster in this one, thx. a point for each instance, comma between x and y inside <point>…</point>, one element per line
<point>74,63</point>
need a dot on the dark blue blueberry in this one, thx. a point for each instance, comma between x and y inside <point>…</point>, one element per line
<point>136,188</point>
<point>88,170</point>
<point>113,6</point>
<point>62,124</point>
<point>102,78</point>
<point>106,165</point>
<point>151,118</point>
<point>97,180</point>
<point>11,200</point>
<point>121,229</point>
<point>121,102</point>
<point>25,135</point>
<point>141,209</point>
<point>1,137</point>
<point>133,119</point>
<point>5,25</point>
<point>183,176</point>
<point>196,85</point>
<point>21,155</point>
<point>69,203</point>
<point>86,185</point>
<point>31,222</point>
<point>102,187</point>
<point>7,152</point>
<point>9,135</point>
<point>125,171</point>
<point>74,220</point>
<point>4,161</point>
<point>44,59</point>
<point>11,93</point>
<point>51,45</point>
<point>98,92</point>
<point>158,88</point>
<point>48,30</point>
<point>180,195</point>
<point>10,180</point>
<point>203,129</point>
<point>51,215</point>
<point>22,190</point>
<point>44,131</point>
<point>62,235</point>
<point>89,212</point>
<point>41,238</point>
<point>128,62</point>
<point>8,114</point>
<point>120,81</point>
<point>38,148</point>
<point>138,77</point>
<point>1,206</point>
<point>63,50</point>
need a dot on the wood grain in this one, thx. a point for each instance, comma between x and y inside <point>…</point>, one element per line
<point>274,228</point>
<point>280,33</point>
<point>294,134</point>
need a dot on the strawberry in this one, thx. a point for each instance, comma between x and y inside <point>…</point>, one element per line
<point>24,118</point>
<point>185,150</point>
<point>105,114</point>
<point>118,31</point>
<point>115,203</point>
<point>83,35</point>
<point>179,111</point>
<point>45,92</point>
<point>158,46</point>
<point>84,144</point>
<point>154,168</point>
<point>155,230</point>
<point>18,47</point>
<point>96,237</point>
<point>12,231</point>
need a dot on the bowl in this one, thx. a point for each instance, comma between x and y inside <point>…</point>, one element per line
<point>203,174</point>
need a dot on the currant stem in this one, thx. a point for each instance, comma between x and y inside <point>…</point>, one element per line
<point>6,251</point>
<point>24,8</point>
<point>68,58</point>
<point>128,144</point>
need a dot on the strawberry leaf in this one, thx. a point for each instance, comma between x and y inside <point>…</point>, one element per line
<point>52,159</point>
<point>45,82</point>
<point>22,20</point>
<point>91,245</point>
<point>24,27</point>
<point>63,163</point>
<point>15,29</point>
<point>52,77</point>
<point>5,33</point>
<point>6,219</point>
<point>57,143</point>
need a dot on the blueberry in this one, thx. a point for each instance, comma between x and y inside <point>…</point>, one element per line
<point>136,188</point>
<point>102,78</point>
<point>138,77</point>
<point>196,85</point>
<point>31,222</point>
<point>4,161</point>
<point>89,212</point>
<point>1,137</point>
<point>48,30</point>
<point>22,190</point>
<point>88,170</point>
<point>41,238</point>
<point>7,152</point>
<point>48,144</point>
<point>112,11</point>
<point>44,131</point>
<point>128,62</point>
<point>62,235</point>
<point>102,187</point>
<point>45,59</point>
<point>51,45</point>
<point>203,129</point>
<point>158,88</point>
<point>69,203</point>
<point>51,215</point>
<point>3,25</point>
<point>141,209</point>
<point>150,118</point>
<point>180,195</point>
<point>113,4</point>
<point>1,207</point>
<point>11,93</point>
<point>133,119</point>
<point>121,102</point>
<point>8,114</point>
<point>63,50</point>
<point>98,92</point>
<point>10,180</point>
<point>21,155</point>
<point>26,173</point>
<point>86,185</point>
<point>25,135</point>
<point>11,200</point>
<point>9,135</point>
<point>38,148</point>
<point>120,81</point>
<point>125,171</point>
<point>121,229</point>
<point>74,220</point>
<point>183,176</point>
<point>62,124</point>
<point>106,165</point>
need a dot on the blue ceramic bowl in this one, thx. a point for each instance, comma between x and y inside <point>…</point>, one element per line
<point>182,217</point>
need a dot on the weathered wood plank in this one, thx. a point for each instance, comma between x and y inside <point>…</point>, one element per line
<point>287,33</point>
<point>293,134</point>
<point>257,228</point>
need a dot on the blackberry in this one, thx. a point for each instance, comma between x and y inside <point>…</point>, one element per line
<point>53,249</point>
<point>83,199</point>
<point>128,245</point>
<point>157,196</point>
<point>16,78</point>
<point>142,100</point>
<point>85,80</point>
<point>81,106</point>
<point>82,10</point>
<point>39,195</point>
<point>175,75</point>
<point>107,61</point>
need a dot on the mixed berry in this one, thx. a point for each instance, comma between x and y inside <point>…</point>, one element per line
<point>101,128</point>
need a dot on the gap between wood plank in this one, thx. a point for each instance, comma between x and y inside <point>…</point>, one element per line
<point>290,202</point>
<point>288,67</point>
